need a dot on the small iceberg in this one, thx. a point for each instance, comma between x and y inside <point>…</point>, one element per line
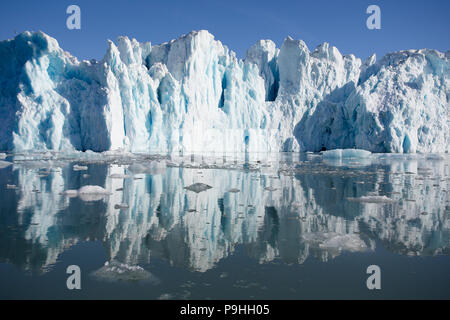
<point>335,241</point>
<point>79,168</point>
<point>92,190</point>
<point>198,187</point>
<point>348,242</point>
<point>88,193</point>
<point>115,271</point>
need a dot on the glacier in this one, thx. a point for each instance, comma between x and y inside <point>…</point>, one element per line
<point>193,94</point>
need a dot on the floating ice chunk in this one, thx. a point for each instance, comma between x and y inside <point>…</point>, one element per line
<point>119,176</point>
<point>5,164</point>
<point>79,168</point>
<point>88,193</point>
<point>3,155</point>
<point>11,186</point>
<point>116,271</point>
<point>92,190</point>
<point>234,190</point>
<point>372,199</point>
<point>348,242</point>
<point>198,187</point>
<point>331,240</point>
<point>332,154</point>
<point>92,193</point>
<point>346,153</point>
<point>90,197</point>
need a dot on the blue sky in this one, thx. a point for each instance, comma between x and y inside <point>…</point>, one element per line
<point>406,24</point>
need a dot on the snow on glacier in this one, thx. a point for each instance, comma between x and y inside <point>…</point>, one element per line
<point>193,94</point>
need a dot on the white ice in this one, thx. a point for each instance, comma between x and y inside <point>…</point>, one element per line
<point>193,94</point>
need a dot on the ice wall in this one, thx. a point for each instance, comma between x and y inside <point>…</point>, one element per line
<point>193,95</point>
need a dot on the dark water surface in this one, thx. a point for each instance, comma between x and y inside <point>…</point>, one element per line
<point>289,226</point>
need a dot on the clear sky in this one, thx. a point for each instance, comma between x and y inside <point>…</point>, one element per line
<point>406,24</point>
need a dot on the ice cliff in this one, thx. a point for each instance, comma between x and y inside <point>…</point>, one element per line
<point>193,94</point>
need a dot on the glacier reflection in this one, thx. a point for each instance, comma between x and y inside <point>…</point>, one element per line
<point>289,208</point>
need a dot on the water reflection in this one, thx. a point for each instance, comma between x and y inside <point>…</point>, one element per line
<point>291,208</point>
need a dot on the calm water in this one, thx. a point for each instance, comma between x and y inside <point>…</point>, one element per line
<point>287,226</point>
